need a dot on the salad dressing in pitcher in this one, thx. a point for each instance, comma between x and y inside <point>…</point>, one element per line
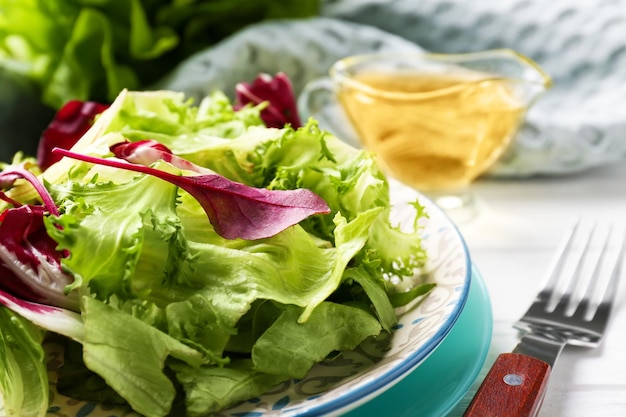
<point>433,131</point>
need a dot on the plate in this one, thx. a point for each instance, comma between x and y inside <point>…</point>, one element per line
<point>440,382</point>
<point>353,378</point>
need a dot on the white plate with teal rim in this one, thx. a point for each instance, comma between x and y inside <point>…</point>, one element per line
<point>343,383</point>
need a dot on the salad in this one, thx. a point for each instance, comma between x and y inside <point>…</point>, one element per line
<point>192,256</point>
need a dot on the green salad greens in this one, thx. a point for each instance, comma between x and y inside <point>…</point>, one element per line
<point>91,50</point>
<point>160,310</point>
<point>23,379</point>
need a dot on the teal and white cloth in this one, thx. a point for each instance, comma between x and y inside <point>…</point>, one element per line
<point>580,123</point>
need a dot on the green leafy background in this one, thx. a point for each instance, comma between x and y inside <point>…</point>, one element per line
<point>91,49</point>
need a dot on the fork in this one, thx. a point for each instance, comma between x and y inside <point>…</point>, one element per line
<point>516,383</point>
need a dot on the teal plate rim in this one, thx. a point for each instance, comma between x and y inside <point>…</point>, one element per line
<point>437,385</point>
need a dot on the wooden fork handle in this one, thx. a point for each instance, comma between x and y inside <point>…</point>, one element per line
<point>514,387</point>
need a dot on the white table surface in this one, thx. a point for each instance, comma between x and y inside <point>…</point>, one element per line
<point>512,241</point>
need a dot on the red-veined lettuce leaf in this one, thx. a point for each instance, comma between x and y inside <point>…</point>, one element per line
<point>235,210</point>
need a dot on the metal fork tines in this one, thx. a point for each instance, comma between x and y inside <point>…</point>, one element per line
<point>575,303</point>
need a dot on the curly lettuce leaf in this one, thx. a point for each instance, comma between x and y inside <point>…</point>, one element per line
<point>289,268</point>
<point>105,257</point>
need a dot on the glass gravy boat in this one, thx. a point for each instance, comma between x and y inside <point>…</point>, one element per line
<point>435,121</point>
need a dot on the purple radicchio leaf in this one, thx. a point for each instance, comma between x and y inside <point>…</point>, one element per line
<point>30,264</point>
<point>67,127</point>
<point>277,92</point>
<point>235,210</point>
<point>15,172</point>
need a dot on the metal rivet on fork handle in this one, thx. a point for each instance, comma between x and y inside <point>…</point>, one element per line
<point>513,379</point>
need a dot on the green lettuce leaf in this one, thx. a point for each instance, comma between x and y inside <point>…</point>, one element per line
<point>197,322</point>
<point>23,373</point>
<point>377,294</point>
<point>289,268</point>
<point>130,355</point>
<point>210,389</point>
<point>292,348</point>
<point>84,229</point>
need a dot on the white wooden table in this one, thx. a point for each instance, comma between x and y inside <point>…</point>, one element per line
<point>520,224</point>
